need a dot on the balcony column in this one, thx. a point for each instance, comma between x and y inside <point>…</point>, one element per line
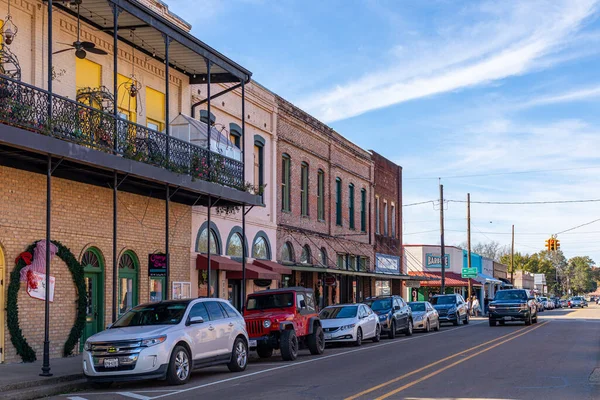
<point>168,256</point>
<point>244,241</point>
<point>167,43</point>
<point>116,11</point>
<point>208,133</point>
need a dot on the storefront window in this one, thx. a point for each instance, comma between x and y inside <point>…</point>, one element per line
<point>203,242</point>
<point>260,250</point>
<point>382,288</point>
<point>287,252</point>
<point>352,263</point>
<point>341,261</point>
<point>234,247</point>
<point>323,257</point>
<point>181,290</point>
<point>157,292</point>
<point>127,281</point>
<point>305,258</point>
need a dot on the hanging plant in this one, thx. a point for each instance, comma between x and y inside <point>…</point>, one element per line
<point>16,334</point>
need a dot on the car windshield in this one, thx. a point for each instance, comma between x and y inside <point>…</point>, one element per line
<point>543,299</point>
<point>576,298</point>
<point>380,304</point>
<point>266,301</point>
<point>442,300</point>
<point>417,306</point>
<point>339,312</point>
<point>511,295</point>
<point>153,314</point>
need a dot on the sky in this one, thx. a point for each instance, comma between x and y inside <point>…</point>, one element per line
<point>498,99</point>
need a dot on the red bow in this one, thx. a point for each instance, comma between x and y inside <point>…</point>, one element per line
<point>26,257</point>
<point>31,281</point>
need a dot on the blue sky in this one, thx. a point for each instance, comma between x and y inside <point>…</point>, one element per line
<point>445,89</point>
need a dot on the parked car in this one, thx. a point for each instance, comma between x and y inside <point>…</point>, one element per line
<point>350,323</point>
<point>167,340</point>
<point>539,304</point>
<point>424,316</point>
<point>451,308</point>
<point>576,301</point>
<point>513,305</point>
<point>546,303</point>
<point>564,303</point>
<point>557,303</point>
<point>283,319</point>
<point>394,314</point>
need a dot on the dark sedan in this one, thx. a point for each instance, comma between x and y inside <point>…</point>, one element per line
<point>513,305</point>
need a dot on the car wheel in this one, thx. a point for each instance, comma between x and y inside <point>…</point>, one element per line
<point>427,326</point>
<point>264,351</point>
<point>437,326</point>
<point>466,321</point>
<point>239,356</point>
<point>392,333</point>
<point>409,328</point>
<point>377,336</point>
<point>528,320</point>
<point>179,371</point>
<point>289,345</point>
<point>358,341</point>
<point>457,321</point>
<point>492,322</point>
<point>535,320</point>
<point>316,342</point>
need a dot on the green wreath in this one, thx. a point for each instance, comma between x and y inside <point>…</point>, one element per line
<point>16,334</point>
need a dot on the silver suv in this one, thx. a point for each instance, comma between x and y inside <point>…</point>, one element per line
<point>167,340</point>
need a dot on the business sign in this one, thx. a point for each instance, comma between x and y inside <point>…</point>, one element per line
<point>435,261</point>
<point>157,264</point>
<point>386,264</point>
<point>413,284</point>
<point>329,280</point>
<point>37,287</point>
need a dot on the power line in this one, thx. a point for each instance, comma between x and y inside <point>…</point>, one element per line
<point>578,226</point>
<point>526,202</point>
<point>503,173</point>
<point>419,203</point>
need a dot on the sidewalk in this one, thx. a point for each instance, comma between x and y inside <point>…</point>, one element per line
<point>22,381</point>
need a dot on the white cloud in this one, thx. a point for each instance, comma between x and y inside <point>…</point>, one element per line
<point>571,96</point>
<point>511,41</point>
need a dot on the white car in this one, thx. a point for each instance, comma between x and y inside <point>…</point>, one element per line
<point>424,316</point>
<point>167,340</point>
<point>350,323</point>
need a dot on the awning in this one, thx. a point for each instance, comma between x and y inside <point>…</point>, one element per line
<point>217,263</point>
<point>273,266</point>
<point>451,279</point>
<point>254,272</point>
<point>310,268</point>
<point>484,278</point>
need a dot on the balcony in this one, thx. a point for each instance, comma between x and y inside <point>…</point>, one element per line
<point>27,107</point>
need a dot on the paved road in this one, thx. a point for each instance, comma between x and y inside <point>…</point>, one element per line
<point>554,359</point>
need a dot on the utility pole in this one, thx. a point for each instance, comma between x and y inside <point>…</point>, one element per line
<point>469,238</point>
<point>512,257</point>
<point>442,249</point>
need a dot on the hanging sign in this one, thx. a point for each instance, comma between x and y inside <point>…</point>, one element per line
<point>36,286</point>
<point>413,284</point>
<point>329,280</point>
<point>157,264</point>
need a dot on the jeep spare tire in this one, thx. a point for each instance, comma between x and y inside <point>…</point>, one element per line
<point>316,341</point>
<point>289,345</point>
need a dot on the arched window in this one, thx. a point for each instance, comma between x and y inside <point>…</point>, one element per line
<point>235,247</point>
<point>128,281</point>
<point>323,256</point>
<point>305,257</point>
<point>261,249</point>
<point>202,239</point>
<point>287,252</point>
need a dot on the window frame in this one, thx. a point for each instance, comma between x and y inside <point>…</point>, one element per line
<point>338,202</point>
<point>377,224</point>
<point>351,206</point>
<point>393,216</point>
<point>321,195</point>
<point>286,166</point>
<point>363,210</point>
<point>304,188</point>
<point>385,218</point>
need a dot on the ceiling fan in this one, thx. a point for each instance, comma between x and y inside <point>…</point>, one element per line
<point>81,48</point>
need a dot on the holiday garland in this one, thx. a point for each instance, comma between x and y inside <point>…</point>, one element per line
<point>16,334</point>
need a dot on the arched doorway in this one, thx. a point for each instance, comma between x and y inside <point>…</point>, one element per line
<point>2,306</point>
<point>93,267</point>
<point>128,281</point>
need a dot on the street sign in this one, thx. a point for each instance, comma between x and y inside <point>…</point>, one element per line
<point>413,284</point>
<point>469,273</point>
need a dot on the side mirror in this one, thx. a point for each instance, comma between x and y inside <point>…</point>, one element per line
<point>397,308</point>
<point>195,320</point>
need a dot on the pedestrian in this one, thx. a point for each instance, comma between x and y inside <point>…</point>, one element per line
<point>475,306</point>
<point>469,308</point>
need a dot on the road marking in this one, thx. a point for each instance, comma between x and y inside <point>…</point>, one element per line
<point>374,388</point>
<point>439,371</point>
<point>308,361</point>
<point>134,395</point>
<point>76,398</point>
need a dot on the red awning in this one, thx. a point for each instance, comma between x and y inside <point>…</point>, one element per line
<point>254,272</point>
<point>217,263</point>
<point>451,279</point>
<point>273,266</point>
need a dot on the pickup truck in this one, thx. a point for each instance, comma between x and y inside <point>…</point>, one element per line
<point>513,305</point>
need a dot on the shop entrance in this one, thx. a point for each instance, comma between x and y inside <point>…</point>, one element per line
<point>234,292</point>
<point>94,286</point>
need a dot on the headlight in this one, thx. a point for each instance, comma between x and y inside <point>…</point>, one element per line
<point>418,317</point>
<point>492,307</point>
<point>345,327</point>
<point>87,346</point>
<point>383,317</point>
<point>267,323</point>
<point>154,341</point>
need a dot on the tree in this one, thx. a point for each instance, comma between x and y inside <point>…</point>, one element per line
<point>581,279</point>
<point>492,250</point>
<point>519,259</point>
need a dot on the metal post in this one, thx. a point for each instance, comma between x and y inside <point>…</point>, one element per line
<point>209,129</point>
<point>208,236</point>
<point>469,238</point>
<point>167,43</point>
<point>244,255</point>
<point>116,12</point>
<point>46,362</point>
<point>442,248</point>
<point>115,263</point>
<point>168,256</point>
<point>512,257</point>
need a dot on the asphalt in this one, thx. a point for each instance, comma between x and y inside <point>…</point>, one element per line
<point>553,359</point>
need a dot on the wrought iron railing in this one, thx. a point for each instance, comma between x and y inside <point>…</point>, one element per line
<point>26,106</point>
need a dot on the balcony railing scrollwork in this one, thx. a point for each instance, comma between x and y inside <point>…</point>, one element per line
<point>26,106</point>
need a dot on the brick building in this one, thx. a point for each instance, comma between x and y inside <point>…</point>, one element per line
<point>387,217</point>
<point>122,190</point>
<point>324,229</point>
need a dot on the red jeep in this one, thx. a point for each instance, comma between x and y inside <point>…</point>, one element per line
<point>283,319</point>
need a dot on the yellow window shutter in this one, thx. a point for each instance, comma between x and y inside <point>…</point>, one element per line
<point>87,74</point>
<point>155,106</point>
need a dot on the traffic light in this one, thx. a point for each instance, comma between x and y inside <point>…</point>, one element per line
<point>556,244</point>
<point>552,244</point>
<point>547,245</point>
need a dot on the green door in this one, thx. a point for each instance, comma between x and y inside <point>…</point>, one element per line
<point>94,287</point>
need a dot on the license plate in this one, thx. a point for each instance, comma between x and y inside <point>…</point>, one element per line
<point>111,362</point>
<point>507,318</point>
<point>252,343</point>
<point>327,336</point>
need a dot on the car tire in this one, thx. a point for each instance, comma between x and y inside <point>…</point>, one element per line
<point>535,320</point>
<point>316,342</point>
<point>492,322</point>
<point>377,336</point>
<point>289,345</point>
<point>466,321</point>
<point>427,326</point>
<point>239,356</point>
<point>409,328</point>
<point>180,368</point>
<point>457,321</point>
<point>437,326</point>
<point>392,332</point>
<point>359,338</point>
<point>264,351</point>
<point>528,320</point>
